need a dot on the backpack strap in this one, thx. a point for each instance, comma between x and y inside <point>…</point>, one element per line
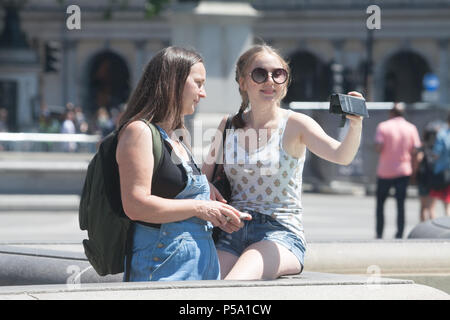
<point>157,145</point>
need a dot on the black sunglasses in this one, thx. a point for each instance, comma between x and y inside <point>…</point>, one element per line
<point>260,75</point>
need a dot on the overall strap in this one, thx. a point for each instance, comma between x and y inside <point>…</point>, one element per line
<point>185,164</point>
<point>157,140</point>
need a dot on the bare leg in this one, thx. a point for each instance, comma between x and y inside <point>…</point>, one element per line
<point>226,260</point>
<point>427,204</point>
<point>447,209</point>
<point>431,206</point>
<point>424,208</point>
<point>264,260</point>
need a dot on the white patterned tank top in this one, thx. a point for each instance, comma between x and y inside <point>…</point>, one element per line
<point>266,179</point>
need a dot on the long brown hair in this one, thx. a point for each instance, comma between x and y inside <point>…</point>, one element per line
<point>244,62</point>
<point>158,95</point>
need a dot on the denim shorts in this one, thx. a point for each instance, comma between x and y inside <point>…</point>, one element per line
<point>261,227</point>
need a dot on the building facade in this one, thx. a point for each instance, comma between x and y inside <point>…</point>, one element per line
<point>328,44</point>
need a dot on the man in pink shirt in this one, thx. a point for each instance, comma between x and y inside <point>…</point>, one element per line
<point>396,140</point>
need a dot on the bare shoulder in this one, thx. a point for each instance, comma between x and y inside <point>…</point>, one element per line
<point>135,137</point>
<point>305,130</point>
<point>135,130</point>
<point>300,121</point>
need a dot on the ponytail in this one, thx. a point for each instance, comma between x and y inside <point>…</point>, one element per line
<point>237,121</point>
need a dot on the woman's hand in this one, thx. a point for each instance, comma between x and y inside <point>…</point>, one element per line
<point>218,213</point>
<point>221,215</point>
<point>215,194</point>
<point>355,121</point>
<point>230,227</point>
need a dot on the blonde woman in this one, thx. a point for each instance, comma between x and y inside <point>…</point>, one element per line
<point>263,160</point>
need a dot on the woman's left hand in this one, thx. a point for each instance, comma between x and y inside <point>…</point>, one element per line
<point>354,119</point>
<point>229,227</point>
<point>215,194</point>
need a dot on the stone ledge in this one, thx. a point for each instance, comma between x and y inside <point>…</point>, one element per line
<point>389,256</point>
<point>330,266</point>
<point>346,257</point>
<point>310,285</point>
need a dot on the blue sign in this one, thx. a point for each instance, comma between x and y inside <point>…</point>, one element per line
<point>430,82</point>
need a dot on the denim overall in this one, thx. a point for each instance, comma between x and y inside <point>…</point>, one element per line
<point>181,250</point>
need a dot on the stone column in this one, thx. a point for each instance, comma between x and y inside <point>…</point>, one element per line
<point>220,32</point>
<point>139,61</point>
<point>71,80</point>
<point>19,71</point>
<point>444,85</point>
<point>337,67</point>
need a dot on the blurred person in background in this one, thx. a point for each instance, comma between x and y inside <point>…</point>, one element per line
<point>70,106</point>
<point>3,120</point>
<point>81,124</point>
<point>424,172</point>
<point>103,123</point>
<point>3,127</point>
<point>441,153</point>
<point>68,127</point>
<point>48,122</point>
<point>397,141</point>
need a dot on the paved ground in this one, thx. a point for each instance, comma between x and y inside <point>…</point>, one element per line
<point>326,217</point>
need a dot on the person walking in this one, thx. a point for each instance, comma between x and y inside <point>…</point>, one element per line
<point>397,141</point>
<point>68,127</point>
<point>172,210</point>
<point>4,120</point>
<point>4,127</point>
<point>264,156</point>
<point>425,172</point>
<point>441,153</point>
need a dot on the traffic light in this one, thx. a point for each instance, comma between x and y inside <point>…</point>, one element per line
<point>52,56</point>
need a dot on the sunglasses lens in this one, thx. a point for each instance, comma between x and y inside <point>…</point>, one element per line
<point>259,75</point>
<point>279,76</point>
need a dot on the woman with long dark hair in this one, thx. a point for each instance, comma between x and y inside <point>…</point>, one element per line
<point>172,209</point>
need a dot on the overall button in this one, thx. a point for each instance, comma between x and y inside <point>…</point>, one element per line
<point>156,259</point>
<point>159,245</point>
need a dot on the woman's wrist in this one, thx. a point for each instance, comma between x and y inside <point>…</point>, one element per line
<point>356,125</point>
<point>201,209</point>
<point>356,122</point>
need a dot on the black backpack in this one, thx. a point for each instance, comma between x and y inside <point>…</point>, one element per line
<point>101,213</point>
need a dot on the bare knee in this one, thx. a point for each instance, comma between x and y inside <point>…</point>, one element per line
<point>264,260</point>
